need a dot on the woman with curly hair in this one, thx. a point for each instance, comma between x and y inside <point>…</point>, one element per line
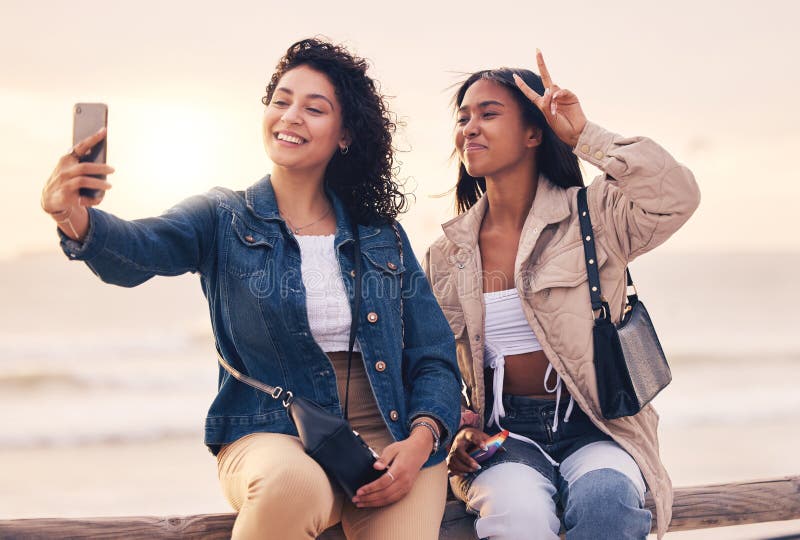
<point>277,266</point>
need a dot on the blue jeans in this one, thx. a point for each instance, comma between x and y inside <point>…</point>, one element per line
<point>518,493</point>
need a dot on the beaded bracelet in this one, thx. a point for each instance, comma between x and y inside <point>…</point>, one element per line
<point>433,430</point>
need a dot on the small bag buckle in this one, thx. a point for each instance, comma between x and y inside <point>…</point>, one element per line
<point>277,392</point>
<point>289,399</point>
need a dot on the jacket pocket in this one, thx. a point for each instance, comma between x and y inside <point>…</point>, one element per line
<point>564,269</point>
<point>248,251</point>
<point>383,275</point>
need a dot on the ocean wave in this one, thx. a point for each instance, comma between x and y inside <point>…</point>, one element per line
<point>133,377</point>
<point>56,346</point>
<point>56,440</point>
<point>58,418</point>
<point>33,381</point>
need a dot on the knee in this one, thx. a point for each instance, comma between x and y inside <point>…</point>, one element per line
<point>604,487</point>
<point>607,499</point>
<point>518,518</point>
<point>289,486</point>
<point>514,501</point>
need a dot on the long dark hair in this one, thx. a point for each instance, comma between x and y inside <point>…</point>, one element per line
<point>555,158</point>
<point>364,178</point>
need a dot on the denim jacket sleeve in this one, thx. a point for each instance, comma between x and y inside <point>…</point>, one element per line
<point>429,354</point>
<point>128,253</point>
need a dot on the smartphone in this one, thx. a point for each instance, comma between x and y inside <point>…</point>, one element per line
<point>493,444</point>
<point>87,119</point>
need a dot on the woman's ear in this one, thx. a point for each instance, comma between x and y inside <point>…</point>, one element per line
<point>534,137</point>
<point>345,140</point>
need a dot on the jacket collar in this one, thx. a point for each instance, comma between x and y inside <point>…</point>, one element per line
<point>261,202</point>
<point>551,205</point>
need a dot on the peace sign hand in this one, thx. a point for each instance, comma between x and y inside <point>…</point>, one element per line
<point>560,106</point>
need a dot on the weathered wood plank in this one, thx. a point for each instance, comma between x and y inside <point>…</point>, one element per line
<point>738,503</point>
<point>696,507</point>
<point>206,526</point>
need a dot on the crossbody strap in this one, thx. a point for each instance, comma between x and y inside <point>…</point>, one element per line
<point>277,392</point>
<point>599,303</point>
<point>356,315</point>
<point>400,292</point>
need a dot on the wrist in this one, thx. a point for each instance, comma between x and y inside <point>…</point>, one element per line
<point>422,437</point>
<point>469,418</point>
<point>428,425</point>
<point>72,221</point>
<point>60,215</point>
<point>579,129</point>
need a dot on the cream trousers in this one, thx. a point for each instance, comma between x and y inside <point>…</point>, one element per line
<point>281,493</point>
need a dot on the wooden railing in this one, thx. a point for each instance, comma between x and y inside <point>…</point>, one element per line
<point>696,507</point>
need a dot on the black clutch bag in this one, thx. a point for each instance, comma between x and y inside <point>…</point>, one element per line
<point>327,438</point>
<point>332,443</point>
<point>629,363</point>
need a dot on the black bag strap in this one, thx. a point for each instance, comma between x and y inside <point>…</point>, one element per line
<point>356,316</point>
<point>400,292</point>
<point>276,392</point>
<point>590,254</point>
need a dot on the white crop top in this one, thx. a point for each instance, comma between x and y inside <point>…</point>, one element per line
<point>506,329</point>
<point>507,332</point>
<point>327,303</point>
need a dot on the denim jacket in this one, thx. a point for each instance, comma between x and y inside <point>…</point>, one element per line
<point>249,266</point>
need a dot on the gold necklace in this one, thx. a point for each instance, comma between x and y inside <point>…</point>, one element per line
<point>296,230</point>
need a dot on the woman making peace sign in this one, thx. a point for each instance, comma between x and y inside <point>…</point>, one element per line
<point>510,275</point>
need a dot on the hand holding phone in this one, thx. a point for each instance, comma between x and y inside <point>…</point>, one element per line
<point>88,119</point>
<point>492,444</point>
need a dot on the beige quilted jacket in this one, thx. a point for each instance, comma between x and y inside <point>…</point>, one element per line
<point>642,198</point>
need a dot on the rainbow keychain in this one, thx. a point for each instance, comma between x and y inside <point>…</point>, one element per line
<point>493,444</point>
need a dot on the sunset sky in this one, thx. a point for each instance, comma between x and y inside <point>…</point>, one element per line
<point>711,81</point>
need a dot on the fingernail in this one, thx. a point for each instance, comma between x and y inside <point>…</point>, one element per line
<point>546,91</point>
<point>484,447</point>
<point>477,468</point>
<point>538,51</point>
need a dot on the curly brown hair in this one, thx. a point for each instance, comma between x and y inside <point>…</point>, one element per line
<point>364,178</point>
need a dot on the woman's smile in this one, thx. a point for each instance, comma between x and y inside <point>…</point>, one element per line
<point>289,139</point>
<point>471,148</point>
